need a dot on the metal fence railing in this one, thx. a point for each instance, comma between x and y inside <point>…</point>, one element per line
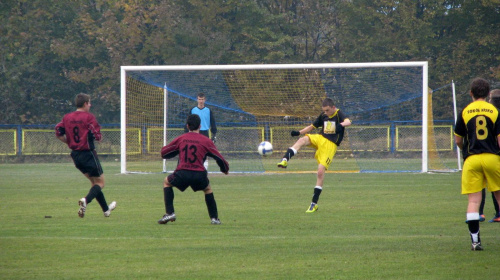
<point>33,140</point>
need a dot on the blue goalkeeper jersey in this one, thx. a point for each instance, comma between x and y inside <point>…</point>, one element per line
<point>207,119</point>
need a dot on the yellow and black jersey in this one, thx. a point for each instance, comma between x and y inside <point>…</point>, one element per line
<point>331,128</point>
<point>479,125</point>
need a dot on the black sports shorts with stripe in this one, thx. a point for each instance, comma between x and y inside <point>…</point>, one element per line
<point>87,162</point>
<point>182,179</point>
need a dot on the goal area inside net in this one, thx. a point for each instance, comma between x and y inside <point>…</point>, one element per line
<point>389,103</point>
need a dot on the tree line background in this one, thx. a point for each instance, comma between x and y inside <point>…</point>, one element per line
<point>50,50</point>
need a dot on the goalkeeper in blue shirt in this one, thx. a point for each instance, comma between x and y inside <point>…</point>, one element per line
<point>207,120</point>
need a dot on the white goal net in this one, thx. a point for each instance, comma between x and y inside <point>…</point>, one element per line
<point>393,129</point>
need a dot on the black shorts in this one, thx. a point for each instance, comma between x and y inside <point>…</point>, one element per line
<point>204,132</point>
<point>182,179</point>
<point>87,162</point>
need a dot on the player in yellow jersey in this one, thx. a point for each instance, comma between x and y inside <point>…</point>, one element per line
<point>332,121</point>
<point>477,134</point>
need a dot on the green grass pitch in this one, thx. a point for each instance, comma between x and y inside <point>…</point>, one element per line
<point>368,226</point>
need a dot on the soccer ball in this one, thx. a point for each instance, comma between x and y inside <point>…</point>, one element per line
<point>265,148</point>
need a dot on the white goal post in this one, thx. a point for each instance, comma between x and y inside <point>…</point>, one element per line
<point>158,80</point>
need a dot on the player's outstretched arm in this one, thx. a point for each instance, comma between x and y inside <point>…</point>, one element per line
<point>221,162</point>
<point>346,122</point>
<point>306,129</point>
<point>169,151</point>
<point>223,165</point>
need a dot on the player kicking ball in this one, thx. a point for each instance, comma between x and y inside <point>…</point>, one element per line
<point>193,149</point>
<point>332,121</point>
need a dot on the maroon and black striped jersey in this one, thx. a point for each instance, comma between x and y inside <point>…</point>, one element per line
<point>80,128</point>
<point>193,148</point>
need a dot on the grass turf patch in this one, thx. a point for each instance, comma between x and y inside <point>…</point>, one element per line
<point>368,226</point>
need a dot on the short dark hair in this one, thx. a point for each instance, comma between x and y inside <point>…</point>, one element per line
<point>495,98</point>
<point>328,102</point>
<point>193,122</point>
<point>480,88</point>
<point>201,95</point>
<point>81,99</point>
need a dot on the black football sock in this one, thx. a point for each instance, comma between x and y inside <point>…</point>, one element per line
<point>483,198</point>
<point>102,201</point>
<point>289,154</point>
<point>317,192</point>
<point>93,193</point>
<point>168,197</point>
<point>474,230</point>
<point>211,205</point>
<point>495,203</point>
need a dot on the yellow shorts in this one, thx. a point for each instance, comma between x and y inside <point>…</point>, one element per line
<point>479,170</point>
<point>325,149</point>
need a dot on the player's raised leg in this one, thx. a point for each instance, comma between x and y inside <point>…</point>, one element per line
<point>101,199</point>
<point>111,207</point>
<point>304,141</point>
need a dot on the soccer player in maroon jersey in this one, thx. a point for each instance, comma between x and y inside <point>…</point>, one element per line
<point>193,149</point>
<point>78,130</point>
